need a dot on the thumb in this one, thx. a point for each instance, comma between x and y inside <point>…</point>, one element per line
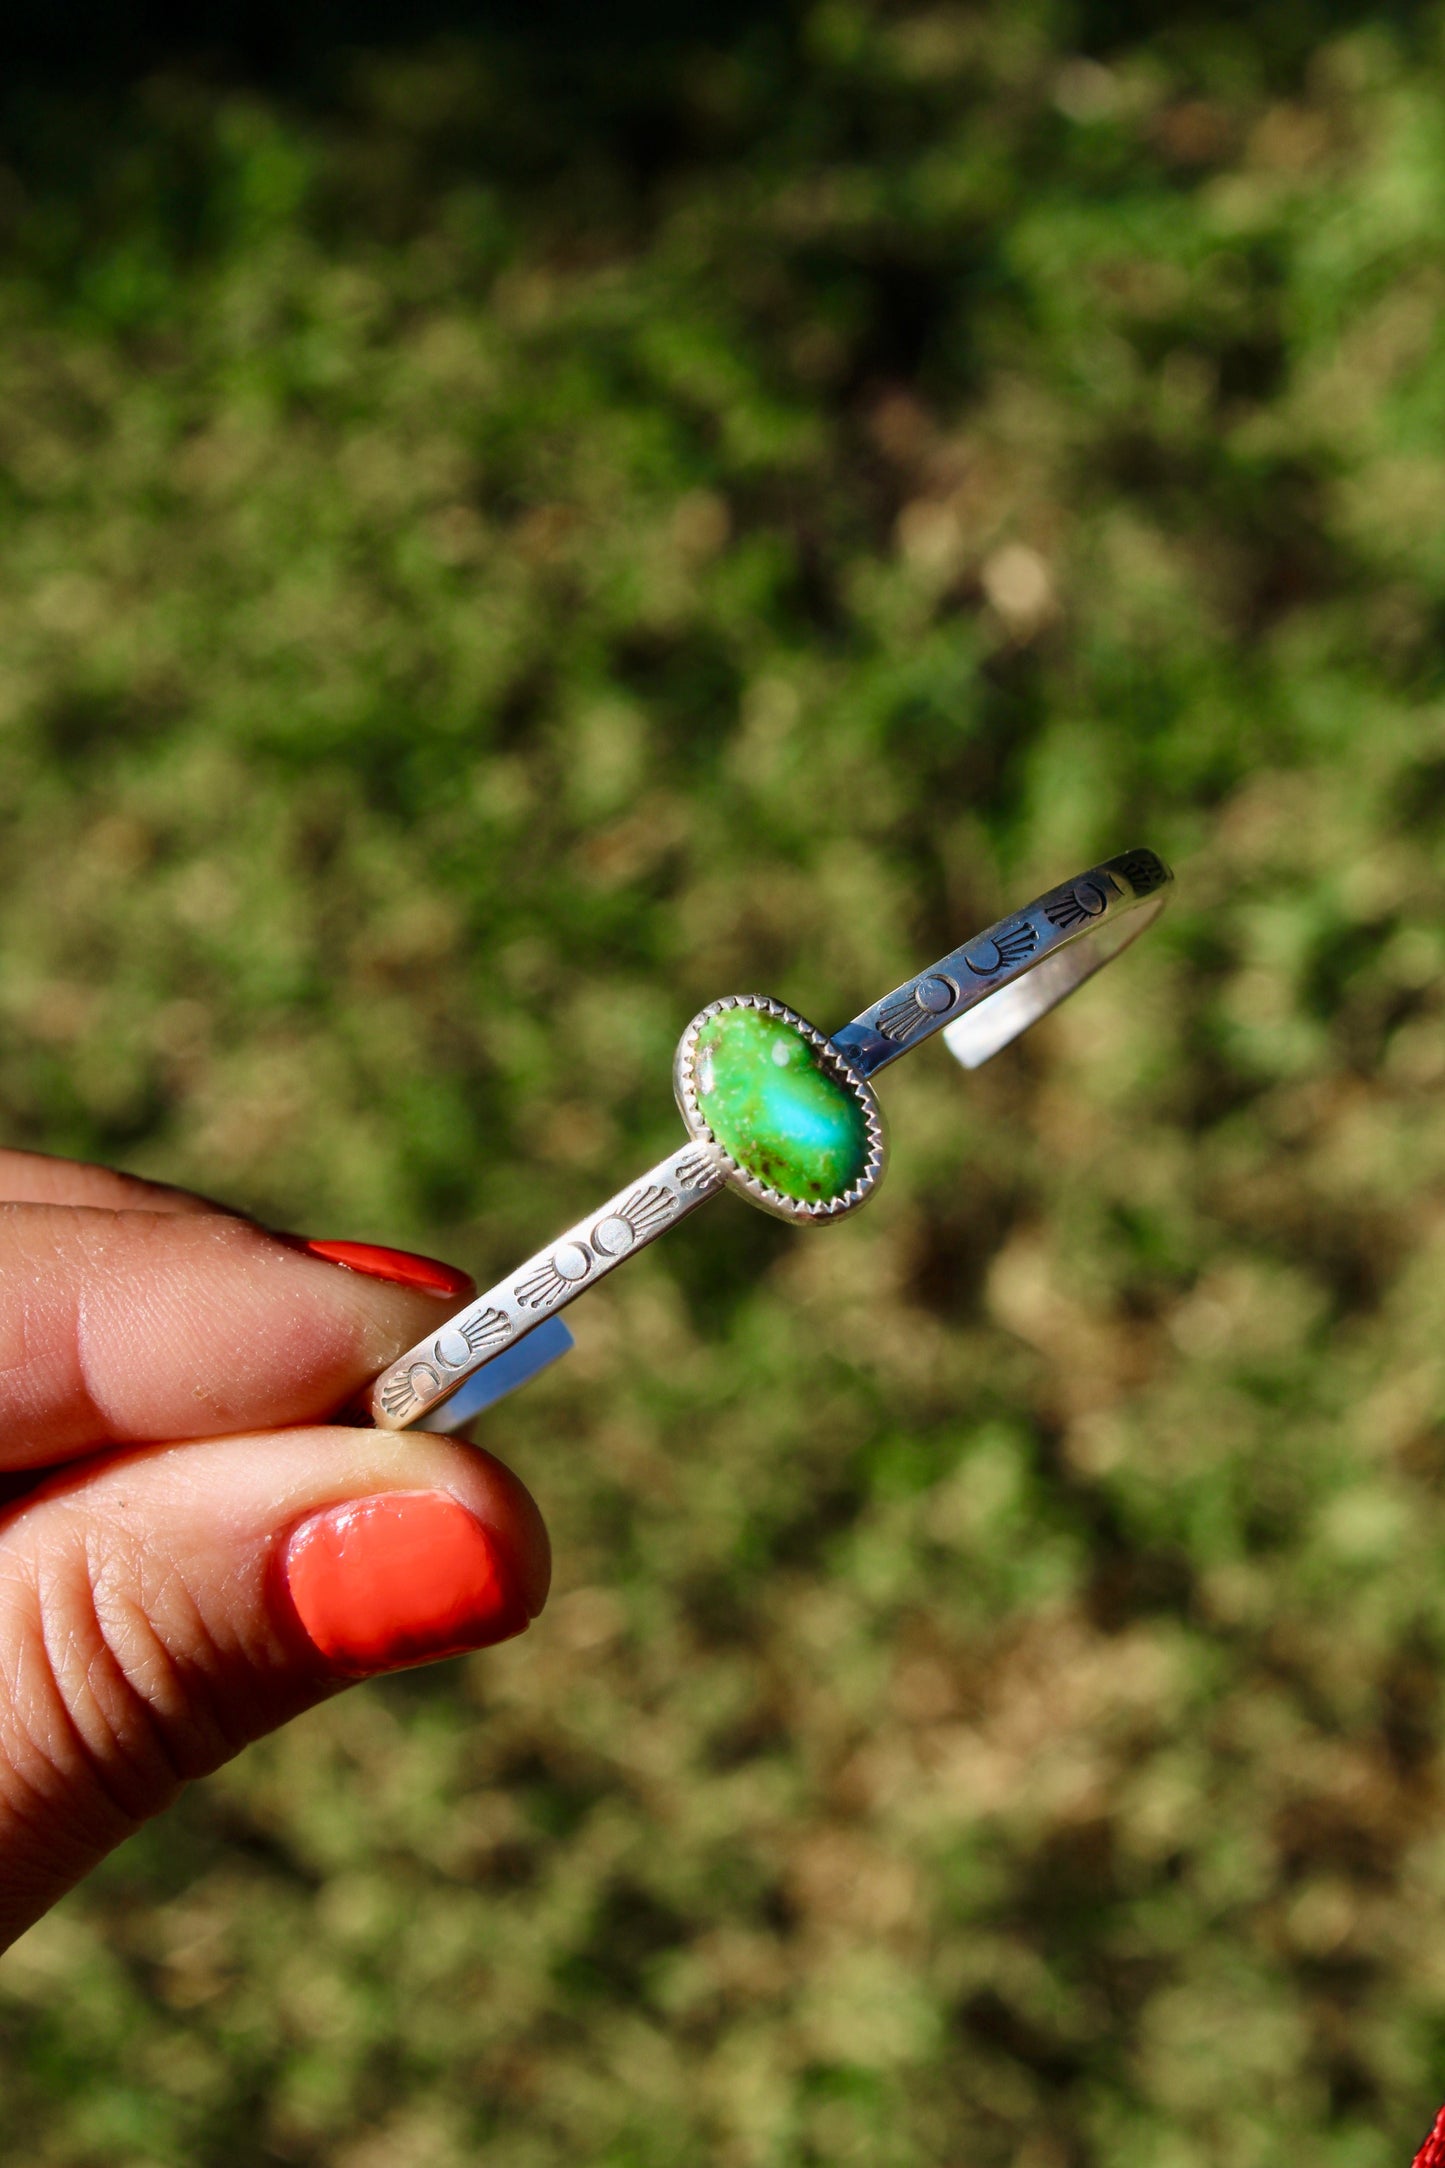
<point>163,1607</point>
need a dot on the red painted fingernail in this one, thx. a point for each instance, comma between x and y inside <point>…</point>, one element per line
<point>401,1579</point>
<point>403,1267</point>
<point>1432,2152</point>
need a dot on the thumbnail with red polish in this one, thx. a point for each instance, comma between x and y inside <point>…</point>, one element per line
<point>403,1578</point>
<point>404,1267</point>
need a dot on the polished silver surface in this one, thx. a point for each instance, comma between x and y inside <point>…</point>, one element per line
<point>501,1374</point>
<point>1007,977</point>
<point>980,996</point>
<point>430,1372</point>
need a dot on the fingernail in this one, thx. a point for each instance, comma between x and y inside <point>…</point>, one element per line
<point>403,1267</point>
<point>405,1578</point>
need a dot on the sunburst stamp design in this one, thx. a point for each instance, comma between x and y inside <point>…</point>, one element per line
<point>568,1264</point>
<point>1143,871</point>
<point>397,1396</point>
<point>1017,941</point>
<point>921,1003</point>
<point>1083,902</point>
<point>470,1338</point>
<point>694,1169</point>
<point>1000,951</point>
<point>487,1331</point>
<point>635,1221</point>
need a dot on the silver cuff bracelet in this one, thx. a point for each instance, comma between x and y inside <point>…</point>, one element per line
<point>783,1115</point>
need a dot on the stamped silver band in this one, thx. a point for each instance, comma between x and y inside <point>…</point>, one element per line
<point>981,996</point>
<point>984,994</point>
<point>432,1370</point>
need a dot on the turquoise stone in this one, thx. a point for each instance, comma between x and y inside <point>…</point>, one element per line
<point>766,1097</point>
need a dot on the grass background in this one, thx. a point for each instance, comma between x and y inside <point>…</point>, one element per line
<point>506,535</point>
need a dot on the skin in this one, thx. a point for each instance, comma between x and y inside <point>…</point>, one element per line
<point>167,1375</point>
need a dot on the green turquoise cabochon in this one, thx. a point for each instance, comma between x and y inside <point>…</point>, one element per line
<point>801,1129</point>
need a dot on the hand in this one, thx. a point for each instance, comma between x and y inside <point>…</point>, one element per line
<point>190,1553</point>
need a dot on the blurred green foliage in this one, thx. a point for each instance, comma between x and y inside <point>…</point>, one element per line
<point>486,568</point>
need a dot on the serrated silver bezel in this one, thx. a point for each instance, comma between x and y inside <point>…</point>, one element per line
<point>799,1211</point>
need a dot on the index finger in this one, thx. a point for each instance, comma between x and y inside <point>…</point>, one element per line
<point>39,1178</point>
<point>122,1327</point>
